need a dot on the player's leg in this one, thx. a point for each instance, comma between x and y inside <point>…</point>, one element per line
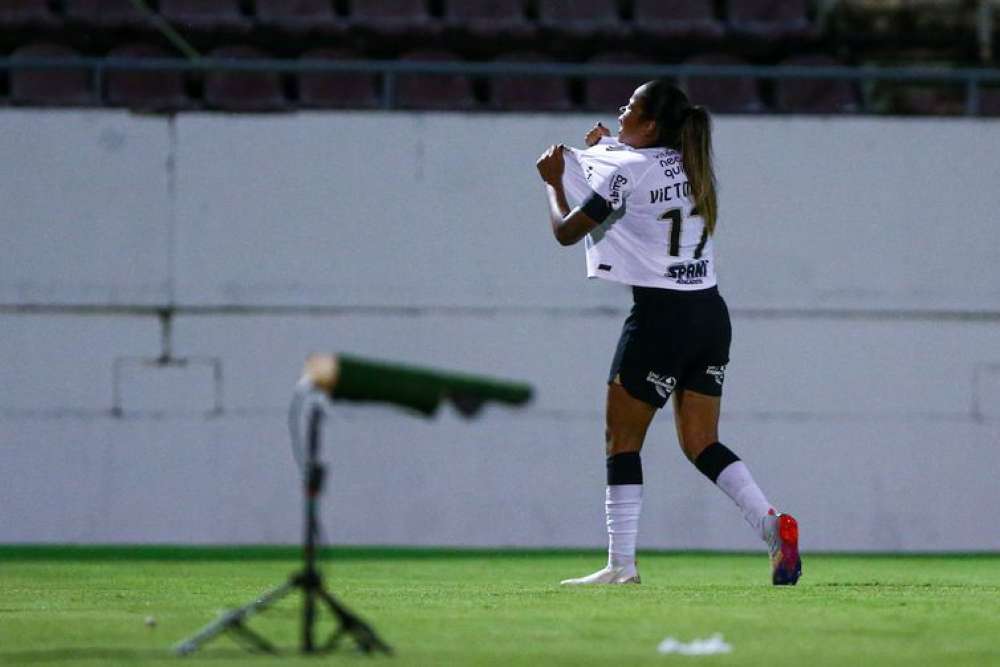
<point>697,403</point>
<point>626,421</point>
<point>697,419</point>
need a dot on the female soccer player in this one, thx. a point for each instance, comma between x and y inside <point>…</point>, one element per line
<point>647,211</point>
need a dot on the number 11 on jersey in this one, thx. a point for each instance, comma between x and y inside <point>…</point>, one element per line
<point>676,217</point>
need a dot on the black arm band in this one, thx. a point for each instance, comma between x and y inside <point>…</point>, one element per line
<point>597,208</point>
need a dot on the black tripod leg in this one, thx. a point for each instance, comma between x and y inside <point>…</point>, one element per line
<point>251,640</point>
<point>363,634</point>
<point>233,618</point>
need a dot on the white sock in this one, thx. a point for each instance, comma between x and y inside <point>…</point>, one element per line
<point>737,483</point>
<point>622,505</point>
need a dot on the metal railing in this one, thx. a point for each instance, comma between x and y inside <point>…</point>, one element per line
<point>971,79</point>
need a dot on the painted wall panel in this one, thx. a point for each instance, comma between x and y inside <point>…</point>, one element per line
<point>859,257</point>
<point>87,207</point>
<point>65,363</point>
<point>502,481</point>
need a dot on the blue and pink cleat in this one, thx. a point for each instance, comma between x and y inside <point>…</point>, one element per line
<point>782,531</point>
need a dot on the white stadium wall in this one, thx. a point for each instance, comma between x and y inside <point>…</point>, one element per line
<point>860,258</point>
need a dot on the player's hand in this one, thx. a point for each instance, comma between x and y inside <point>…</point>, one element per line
<point>595,134</point>
<point>551,164</point>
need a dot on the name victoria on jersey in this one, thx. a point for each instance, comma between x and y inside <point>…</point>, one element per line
<point>670,193</point>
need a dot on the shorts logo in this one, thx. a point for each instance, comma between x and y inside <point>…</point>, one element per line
<point>718,372</point>
<point>663,384</point>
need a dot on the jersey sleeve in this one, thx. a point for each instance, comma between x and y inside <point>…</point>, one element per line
<point>574,182</point>
<point>610,184</point>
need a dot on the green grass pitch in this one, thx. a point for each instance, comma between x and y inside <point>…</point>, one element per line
<point>87,606</point>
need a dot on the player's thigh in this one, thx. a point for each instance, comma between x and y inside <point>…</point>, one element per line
<point>644,362</point>
<point>698,398</point>
<point>696,416</point>
<point>705,365</point>
<point>626,422</point>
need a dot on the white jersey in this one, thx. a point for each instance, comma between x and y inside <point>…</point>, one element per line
<point>650,235</point>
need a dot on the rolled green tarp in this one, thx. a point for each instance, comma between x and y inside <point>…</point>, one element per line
<point>422,389</point>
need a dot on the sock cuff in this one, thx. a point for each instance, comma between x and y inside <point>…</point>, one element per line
<point>624,469</point>
<point>714,459</point>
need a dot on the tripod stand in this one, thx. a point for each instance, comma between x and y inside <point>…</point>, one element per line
<point>309,580</point>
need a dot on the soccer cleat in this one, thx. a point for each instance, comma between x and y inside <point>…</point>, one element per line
<point>782,534</point>
<point>623,574</point>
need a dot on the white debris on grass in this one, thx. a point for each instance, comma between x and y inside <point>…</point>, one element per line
<point>711,646</point>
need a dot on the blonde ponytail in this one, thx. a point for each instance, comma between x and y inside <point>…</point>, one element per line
<point>696,150</point>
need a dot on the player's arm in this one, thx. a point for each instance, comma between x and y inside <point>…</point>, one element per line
<point>568,226</point>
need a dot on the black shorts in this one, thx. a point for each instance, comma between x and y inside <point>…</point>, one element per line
<point>673,340</point>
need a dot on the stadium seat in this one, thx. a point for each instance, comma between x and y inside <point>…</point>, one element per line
<point>145,90</point>
<point>106,13</point>
<point>518,92</point>
<point>71,86</point>
<point>298,16</point>
<point>16,14</point>
<point>488,18</point>
<point>770,19</point>
<point>336,90</point>
<point>433,91</point>
<point>989,101</point>
<point>722,95</point>
<point>685,19</point>
<point>206,15</point>
<point>815,95</point>
<point>925,100</point>
<point>243,91</point>
<point>580,17</point>
<point>392,17</point>
<point>607,93</point>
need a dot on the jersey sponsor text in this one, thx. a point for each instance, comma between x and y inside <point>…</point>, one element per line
<point>689,273</point>
<point>617,184</point>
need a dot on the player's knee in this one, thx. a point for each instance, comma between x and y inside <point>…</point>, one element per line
<point>694,443</point>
